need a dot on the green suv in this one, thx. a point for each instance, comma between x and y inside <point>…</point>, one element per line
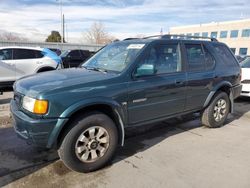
<point>83,112</point>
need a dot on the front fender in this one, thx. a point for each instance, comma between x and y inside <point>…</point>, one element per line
<point>90,102</point>
<point>64,117</point>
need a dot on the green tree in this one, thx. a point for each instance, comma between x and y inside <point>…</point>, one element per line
<point>54,37</point>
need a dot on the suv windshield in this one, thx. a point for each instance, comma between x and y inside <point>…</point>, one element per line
<point>245,63</point>
<point>114,57</point>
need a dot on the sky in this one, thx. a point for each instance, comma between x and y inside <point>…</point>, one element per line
<point>35,19</point>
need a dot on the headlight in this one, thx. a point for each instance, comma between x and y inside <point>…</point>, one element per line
<point>35,106</point>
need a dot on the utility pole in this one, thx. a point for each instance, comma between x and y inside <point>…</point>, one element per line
<point>63,34</point>
<point>61,21</point>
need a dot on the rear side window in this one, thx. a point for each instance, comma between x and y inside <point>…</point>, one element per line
<point>85,53</point>
<point>195,57</point>
<point>26,54</point>
<point>225,54</point>
<point>209,60</point>
<point>6,54</point>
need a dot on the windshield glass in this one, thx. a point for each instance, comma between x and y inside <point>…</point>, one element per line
<point>246,63</point>
<point>114,57</point>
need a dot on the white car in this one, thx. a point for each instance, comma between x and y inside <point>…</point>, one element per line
<point>17,62</point>
<point>245,80</point>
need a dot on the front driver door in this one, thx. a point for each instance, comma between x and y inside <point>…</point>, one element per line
<point>163,93</point>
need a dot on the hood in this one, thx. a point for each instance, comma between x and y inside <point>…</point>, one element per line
<point>59,79</point>
<point>245,74</point>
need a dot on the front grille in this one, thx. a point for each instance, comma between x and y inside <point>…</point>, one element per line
<point>245,81</point>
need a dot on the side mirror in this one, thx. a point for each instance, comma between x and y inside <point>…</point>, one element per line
<point>145,70</point>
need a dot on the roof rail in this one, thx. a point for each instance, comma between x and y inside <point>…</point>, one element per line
<point>170,36</point>
<point>131,38</point>
<point>153,36</point>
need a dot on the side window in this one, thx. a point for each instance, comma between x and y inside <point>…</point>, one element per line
<point>195,57</point>
<point>209,60</point>
<point>6,54</point>
<point>165,58</point>
<point>75,54</point>
<point>38,54</point>
<point>225,54</point>
<point>85,53</point>
<point>24,54</point>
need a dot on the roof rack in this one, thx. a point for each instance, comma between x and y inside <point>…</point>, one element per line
<point>169,36</point>
<point>131,38</point>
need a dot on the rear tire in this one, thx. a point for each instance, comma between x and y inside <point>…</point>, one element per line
<point>90,144</point>
<point>217,111</point>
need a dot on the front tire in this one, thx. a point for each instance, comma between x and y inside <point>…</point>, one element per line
<point>90,144</point>
<point>217,111</point>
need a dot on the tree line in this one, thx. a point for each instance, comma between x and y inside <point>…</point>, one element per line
<point>96,34</point>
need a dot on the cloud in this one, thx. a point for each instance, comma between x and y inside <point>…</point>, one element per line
<point>35,19</point>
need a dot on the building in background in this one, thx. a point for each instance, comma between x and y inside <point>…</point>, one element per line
<point>236,34</point>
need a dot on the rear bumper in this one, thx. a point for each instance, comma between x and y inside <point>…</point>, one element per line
<point>34,131</point>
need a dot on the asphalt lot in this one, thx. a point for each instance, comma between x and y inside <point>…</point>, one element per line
<point>177,153</point>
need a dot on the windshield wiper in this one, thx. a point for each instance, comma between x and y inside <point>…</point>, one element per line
<point>96,69</point>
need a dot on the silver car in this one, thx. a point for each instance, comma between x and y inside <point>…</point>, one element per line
<point>17,62</point>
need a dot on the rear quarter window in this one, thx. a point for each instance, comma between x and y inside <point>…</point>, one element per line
<point>225,55</point>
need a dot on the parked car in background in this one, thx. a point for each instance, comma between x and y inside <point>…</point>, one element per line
<point>7,76</point>
<point>126,84</point>
<point>73,58</point>
<point>245,80</point>
<point>56,50</point>
<point>241,58</point>
<point>17,62</point>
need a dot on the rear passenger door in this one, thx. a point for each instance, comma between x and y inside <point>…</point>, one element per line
<point>200,74</point>
<point>27,61</point>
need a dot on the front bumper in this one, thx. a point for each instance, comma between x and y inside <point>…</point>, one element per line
<point>34,131</point>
